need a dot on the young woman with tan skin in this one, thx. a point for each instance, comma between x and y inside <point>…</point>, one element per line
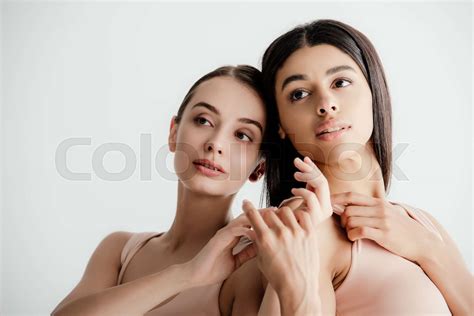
<point>325,84</point>
<point>216,137</point>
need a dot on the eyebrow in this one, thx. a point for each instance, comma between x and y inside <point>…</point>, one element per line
<point>291,79</point>
<point>249,121</point>
<point>330,71</point>
<point>333,70</point>
<point>207,106</point>
<point>216,111</point>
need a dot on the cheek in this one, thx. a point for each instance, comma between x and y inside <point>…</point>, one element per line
<point>296,120</point>
<point>187,145</point>
<point>183,158</point>
<point>359,110</point>
<point>243,160</point>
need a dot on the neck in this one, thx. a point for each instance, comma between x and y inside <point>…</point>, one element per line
<point>198,218</point>
<point>355,172</point>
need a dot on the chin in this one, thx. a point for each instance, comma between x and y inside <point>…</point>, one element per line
<point>206,186</point>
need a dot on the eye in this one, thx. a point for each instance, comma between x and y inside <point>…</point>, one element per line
<point>242,136</point>
<point>341,83</point>
<point>202,121</point>
<point>298,95</point>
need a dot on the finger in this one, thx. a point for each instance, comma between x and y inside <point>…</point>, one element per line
<point>304,220</point>
<point>360,211</point>
<point>241,220</point>
<point>287,201</point>
<point>310,162</point>
<point>357,221</point>
<point>245,255</point>
<point>316,183</point>
<point>309,177</point>
<point>302,166</point>
<point>255,218</point>
<point>313,166</point>
<point>357,210</point>
<point>273,221</point>
<point>269,209</point>
<point>365,232</point>
<point>308,166</point>
<point>288,218</point>
<point>314,208</point>
<point>353,198</point>
<point>230,236</point>
<point>316,179</point>
<point>239,231</point>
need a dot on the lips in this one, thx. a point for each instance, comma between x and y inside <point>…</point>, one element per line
<point>330,127</point>
<point>209,164</point>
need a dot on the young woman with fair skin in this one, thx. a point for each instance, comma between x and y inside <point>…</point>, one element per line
<point>326,85</point>
<point>216,138</point>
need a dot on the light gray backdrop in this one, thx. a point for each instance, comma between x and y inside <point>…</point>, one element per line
<point>116,73</point>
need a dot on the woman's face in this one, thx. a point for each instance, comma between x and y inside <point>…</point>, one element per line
<point>221,127</point>
<point>322,85</point>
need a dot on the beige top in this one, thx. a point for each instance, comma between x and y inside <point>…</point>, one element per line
<point>381,283</point>
<point>197,301</point>
<point>378,282</point>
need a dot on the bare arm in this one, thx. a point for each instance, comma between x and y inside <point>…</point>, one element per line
<point>446,268</point>
<point>98,294</point>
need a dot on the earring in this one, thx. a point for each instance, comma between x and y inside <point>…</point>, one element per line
<point>256,175</point>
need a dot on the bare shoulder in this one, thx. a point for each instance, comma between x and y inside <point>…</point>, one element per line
<point>433,220</point>
<point>242,292</point>
<point>446,246</point>
<point>109,251</point>
<point>103,267</point>
<point>448,241</point>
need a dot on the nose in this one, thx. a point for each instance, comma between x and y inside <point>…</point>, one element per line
<point>326,107</point>
<point>213,147</point>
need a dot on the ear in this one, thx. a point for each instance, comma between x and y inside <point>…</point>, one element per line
<point>172,135</point>
<point>258,172</point>
<point>281,133</point>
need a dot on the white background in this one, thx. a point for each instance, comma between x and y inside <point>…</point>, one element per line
<point>112,72</point>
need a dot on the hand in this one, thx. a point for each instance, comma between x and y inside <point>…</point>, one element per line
<point>215,262</point>
<point>288,254</point>
<point>317,183</point>
<point>388,225</point>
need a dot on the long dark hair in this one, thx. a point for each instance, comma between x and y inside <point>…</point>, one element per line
<point>279,171</point>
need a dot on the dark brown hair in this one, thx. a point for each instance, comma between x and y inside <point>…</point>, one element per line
<point>245,74</point>
<point>279,172</point>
